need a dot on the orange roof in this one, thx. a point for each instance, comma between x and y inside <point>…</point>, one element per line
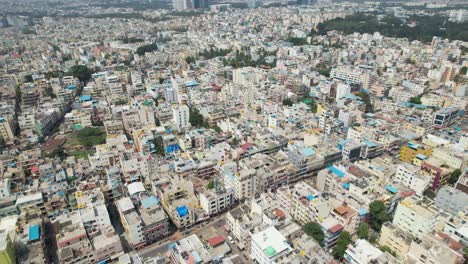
<point>279,213</point>
<point>216,240</point>
<point>336,228</point>
<point>343,209</point>
<point>35,169</point>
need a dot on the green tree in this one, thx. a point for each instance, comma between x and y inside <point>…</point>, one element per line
<point>377,215</point>
<point>146,48</point>
<point>454,176</point>
<point>387,249</point>
<point>159,146</point>
<point>323,69</point>
<point>315,231</point>
<point>190,59</point>
<point>363,231</point>
<point>58,152</point>
<point>91,136</point>
<point>415,100</point>
<point>210,185</point>
<point>81,72</point>
<point>365,97</point>
<point>463,70</point>
<point>341,245</point>
<point>2,142</point>
<point>195,118</point>
<point>287,102</point>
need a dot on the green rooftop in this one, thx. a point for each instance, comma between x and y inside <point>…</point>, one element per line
<point>270,251</point>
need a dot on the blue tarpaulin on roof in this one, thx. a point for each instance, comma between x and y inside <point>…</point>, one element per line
<point>310,197</point>
<point>336,171</point>
<point>391,189</point>
<point>308,152</point>
<point>421,156</point>
<point>172,148</point>
<point>85,98</point>
<point>182,210</point>
<point>33,232</point>
<point>149,201</point>
<point>362,211</point>
<point>346,185</point>
<point>191,83</point>
<point>197,257</point>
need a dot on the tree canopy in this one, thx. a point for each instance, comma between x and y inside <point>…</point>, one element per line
<point>196,119</point>
<point>341,245</point>
<point>363,231</point>
<point>454,176</point>
<point>81,72</point>
<point>146,48</point>
<point>287,102</point>
<point>315,231</point>
<point>426,27</point>
<point>377,215</point>
<point>415,100</point>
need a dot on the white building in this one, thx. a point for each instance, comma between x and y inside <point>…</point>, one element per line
<point>417,217</point>
<point>362,252</point>
<point>409,176</point>
<point>458,16</point>
<point>270,246</point>
<point>6,130</point>
<point>342,89</point>
<point>180,116</point>
<point>214,202</point>
<point>131,222</point>
<point>5,185</point>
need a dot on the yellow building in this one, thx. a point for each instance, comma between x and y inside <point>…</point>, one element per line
<point>412,149</point>
<point>396,239</point>
<point>321,109</point>
<point>7,249</point>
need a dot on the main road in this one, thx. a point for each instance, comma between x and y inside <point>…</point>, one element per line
<point>161,247</point>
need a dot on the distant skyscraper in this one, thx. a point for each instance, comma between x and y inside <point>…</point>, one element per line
<point>179,5</point>
<point>199,3</point>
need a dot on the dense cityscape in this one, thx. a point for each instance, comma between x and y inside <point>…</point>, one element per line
<point>235,132</point>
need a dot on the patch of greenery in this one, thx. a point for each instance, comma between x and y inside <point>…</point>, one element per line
<point>323,69</point>
<point>83,154</point>
<point>377,215</point>
<point>315,231</point>
<point>90,136</point>
<point>288,102</point>
<point>297,41</point>
<point>365,97</point>
<point>244,59</point>
<point>426,27</point>
<point>210,185</point>
<point>454,176</point>
<point>147,48</point>
<point>81,72</point>
<point>341,245</point>
<point>415,100</point>
<point>117,15</point>
<point>213,53</point>
<point>196,119</point>
<point>363,231</point>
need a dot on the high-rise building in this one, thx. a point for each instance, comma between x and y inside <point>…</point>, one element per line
<point>180,116</point>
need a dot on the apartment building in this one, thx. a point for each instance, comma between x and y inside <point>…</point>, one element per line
<point>417,216</point>
<point>411,177</point>
<point>270,246</point>
<point>395,239</point>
